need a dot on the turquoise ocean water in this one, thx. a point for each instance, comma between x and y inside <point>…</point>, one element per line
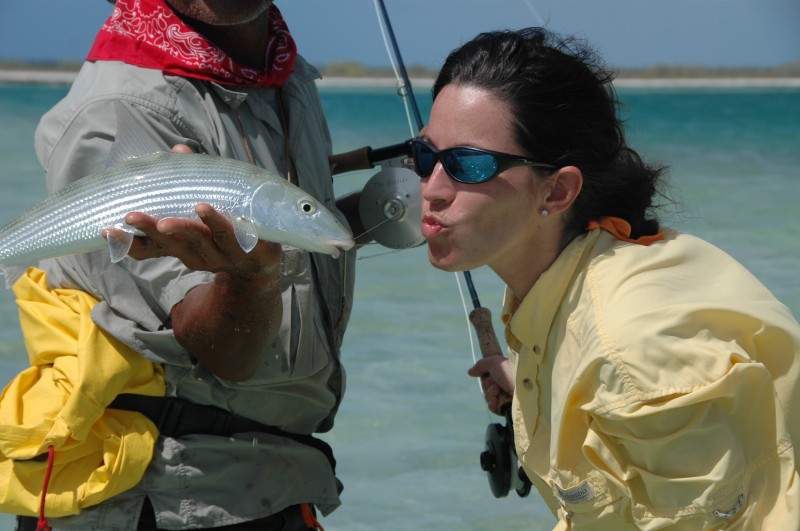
<point>411,428</point>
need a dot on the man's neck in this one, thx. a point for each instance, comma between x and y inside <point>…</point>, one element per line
<point>245,43</point>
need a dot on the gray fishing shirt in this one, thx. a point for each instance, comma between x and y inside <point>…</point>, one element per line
<point>204,480</point>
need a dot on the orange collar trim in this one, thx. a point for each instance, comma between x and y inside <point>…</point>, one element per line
<point>621,230</point>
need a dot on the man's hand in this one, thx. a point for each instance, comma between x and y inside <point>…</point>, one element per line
<point>227,323</point>
<point>205,244</point>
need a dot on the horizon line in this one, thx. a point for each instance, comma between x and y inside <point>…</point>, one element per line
<point>60,77</point>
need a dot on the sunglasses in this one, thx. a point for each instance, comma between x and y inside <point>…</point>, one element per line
<point>465,164</point>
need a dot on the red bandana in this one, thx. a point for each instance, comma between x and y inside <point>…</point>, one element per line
<point>147,33</point>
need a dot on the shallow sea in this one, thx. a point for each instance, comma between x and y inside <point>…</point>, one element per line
<point>411,428</point>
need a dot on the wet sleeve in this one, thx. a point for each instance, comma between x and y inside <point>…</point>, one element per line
<point>137,296</point>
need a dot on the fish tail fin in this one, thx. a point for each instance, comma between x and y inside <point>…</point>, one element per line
<point>12,273</point>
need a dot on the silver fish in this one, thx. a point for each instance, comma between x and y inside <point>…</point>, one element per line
<point>259,204</point>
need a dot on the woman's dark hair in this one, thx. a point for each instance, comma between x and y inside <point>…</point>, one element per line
<point>564,109</point>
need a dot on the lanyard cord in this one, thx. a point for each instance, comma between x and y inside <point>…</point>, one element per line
<point>42,524</point>
<point>285,125</point>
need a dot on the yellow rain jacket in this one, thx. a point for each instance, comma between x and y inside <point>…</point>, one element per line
<point>76,371</point>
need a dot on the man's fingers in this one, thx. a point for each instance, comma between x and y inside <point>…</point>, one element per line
<point>141,221</point>
<point>181,148</point>
<point>184,226</point>
<point>219,226</point>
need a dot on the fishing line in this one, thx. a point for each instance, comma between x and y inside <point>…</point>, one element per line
<point>387,220</point>
<point>539,20</point>
<point>367,231</point>
<point>371,256</point>
<point>469,330</point>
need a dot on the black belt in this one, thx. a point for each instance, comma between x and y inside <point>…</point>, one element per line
<point>175,417</point>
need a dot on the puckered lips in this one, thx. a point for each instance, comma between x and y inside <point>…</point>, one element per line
<point>431,226</point>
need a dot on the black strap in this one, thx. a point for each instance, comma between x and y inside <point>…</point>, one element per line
<point>175,417</point>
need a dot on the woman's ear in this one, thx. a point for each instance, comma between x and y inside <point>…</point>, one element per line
<point>564,186</point>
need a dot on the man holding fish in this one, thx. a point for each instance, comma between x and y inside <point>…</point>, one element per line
<point>248,342</point>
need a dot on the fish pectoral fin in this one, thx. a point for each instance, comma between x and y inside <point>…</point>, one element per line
<point>245,231</point>
<point>119,242</point>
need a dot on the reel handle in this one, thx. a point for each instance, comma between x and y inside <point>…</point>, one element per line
<point>366,157</point>
<point>481,319</point>
<point>358,159</point>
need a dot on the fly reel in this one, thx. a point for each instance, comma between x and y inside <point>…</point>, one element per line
<point>391,208</point>
<point>499,460</point>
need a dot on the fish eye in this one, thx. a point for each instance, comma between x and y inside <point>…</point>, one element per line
<point>307,206</point>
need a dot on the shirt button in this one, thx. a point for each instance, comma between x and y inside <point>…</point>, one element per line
<point>536,349</point>
<point>527,384</point>
<point>734,510</point>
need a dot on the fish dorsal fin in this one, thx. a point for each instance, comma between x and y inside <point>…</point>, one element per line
<point>132,139</point>
<point>245,231</point>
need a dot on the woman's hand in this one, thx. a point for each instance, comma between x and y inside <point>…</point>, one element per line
<point>497,381</point>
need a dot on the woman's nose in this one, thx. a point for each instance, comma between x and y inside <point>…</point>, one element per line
<point>438,186</point>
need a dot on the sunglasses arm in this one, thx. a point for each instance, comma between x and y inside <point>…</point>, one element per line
<point>366,157</point>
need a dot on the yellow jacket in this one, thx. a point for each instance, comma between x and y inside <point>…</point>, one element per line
<point>76,371</point>
<point>656,387</point>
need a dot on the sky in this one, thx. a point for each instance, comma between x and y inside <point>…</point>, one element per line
<point>627,33</point>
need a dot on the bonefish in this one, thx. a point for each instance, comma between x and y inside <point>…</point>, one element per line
<point>259,204</point>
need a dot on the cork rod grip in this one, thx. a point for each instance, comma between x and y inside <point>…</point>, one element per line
<point>358,159</point>
<point>481,319</point>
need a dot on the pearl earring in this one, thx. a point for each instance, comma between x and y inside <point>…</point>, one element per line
<point>545,212</point>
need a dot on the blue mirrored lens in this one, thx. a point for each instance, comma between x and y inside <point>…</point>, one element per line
<point>424,159</point>
<point>470,166</point>
<point>466,165</point>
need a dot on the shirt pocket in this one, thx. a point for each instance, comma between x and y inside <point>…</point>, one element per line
<point>301,349</point>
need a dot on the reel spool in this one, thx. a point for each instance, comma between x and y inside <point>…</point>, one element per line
<point>496,460</point>
<point>499,461</point>
<point>391,208</point>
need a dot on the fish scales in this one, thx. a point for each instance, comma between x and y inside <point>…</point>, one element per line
<point>102,201</point>
<point>163,185</point>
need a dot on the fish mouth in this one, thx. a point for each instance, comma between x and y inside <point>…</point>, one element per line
<point>344,245</point>
<point>333,247</point>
